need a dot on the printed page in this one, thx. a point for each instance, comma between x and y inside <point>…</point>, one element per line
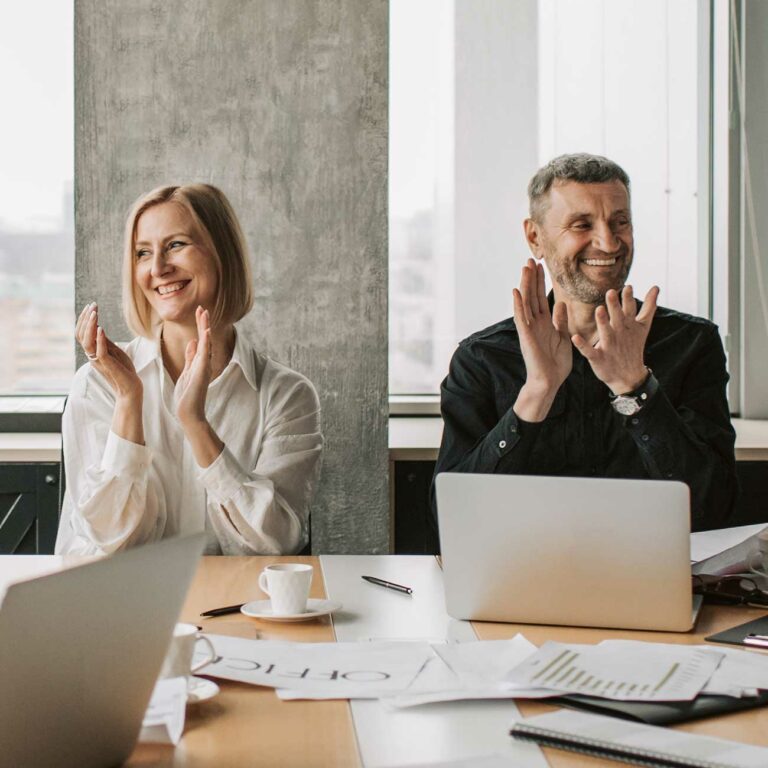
<point>320,670</point>
<point>630,671</point>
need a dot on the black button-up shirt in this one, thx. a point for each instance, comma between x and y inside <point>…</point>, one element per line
<point>683,432</point>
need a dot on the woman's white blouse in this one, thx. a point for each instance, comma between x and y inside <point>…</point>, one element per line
<point>253,499</point>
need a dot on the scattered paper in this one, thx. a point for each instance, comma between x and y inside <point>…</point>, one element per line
<point>624,670</point>
<point>407,674</point>
<point>164,719</point>
<point>484,663</point>
<point>740,672</point>
<point>706,544</point>
<point>320,670</point>
<point>735,559</point>
<point>472,670</point>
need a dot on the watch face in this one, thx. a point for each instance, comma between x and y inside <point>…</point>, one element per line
<point>626,406</point>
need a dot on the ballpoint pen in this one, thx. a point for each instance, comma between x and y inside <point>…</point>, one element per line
<point>388,585</point>
<point>223,611</point>
<point>760,641</point>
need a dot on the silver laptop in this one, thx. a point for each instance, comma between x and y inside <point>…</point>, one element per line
<point>80,651</point>
<point>569,551</point>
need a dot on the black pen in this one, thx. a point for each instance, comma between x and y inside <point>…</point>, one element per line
<point>389,585</point>
<point>223,611</point>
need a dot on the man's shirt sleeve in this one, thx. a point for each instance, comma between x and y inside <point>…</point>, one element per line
<point>693,440</point>
<point>475,437</point>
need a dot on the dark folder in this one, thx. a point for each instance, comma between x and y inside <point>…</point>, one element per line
<point>736,635</point>
<point>662,712</point>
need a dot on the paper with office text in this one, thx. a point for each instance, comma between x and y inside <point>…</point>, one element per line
<point>320,670</point>
<point>626,670</point>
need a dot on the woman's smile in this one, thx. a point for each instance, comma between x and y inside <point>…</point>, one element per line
<point>170,289</point>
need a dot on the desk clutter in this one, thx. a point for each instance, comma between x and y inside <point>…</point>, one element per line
<point>412,673</point>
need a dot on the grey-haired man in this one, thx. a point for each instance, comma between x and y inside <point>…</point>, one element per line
<point>589,381</point>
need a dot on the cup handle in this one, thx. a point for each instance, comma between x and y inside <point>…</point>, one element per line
<point>211,655</point>
<point>263,583</point>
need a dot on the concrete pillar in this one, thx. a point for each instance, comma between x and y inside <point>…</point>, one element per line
<point>282,104</point>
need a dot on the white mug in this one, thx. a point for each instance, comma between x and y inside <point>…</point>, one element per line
<point>178,659</point>
<point>287,585</point>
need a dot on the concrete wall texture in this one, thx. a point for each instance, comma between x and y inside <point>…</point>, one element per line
<point>282,104</point>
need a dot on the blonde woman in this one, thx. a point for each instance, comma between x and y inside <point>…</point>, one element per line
<point>188,427</point>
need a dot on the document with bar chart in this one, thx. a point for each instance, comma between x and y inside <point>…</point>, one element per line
<point>630,671</point>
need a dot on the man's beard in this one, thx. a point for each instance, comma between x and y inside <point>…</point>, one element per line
<point>569,276</point>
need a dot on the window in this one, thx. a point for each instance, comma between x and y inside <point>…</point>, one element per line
<point>481,95</point>
<point>36,197</point>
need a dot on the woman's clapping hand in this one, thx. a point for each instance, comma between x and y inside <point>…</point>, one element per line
<point>192,385</point>
<point>106,357</point>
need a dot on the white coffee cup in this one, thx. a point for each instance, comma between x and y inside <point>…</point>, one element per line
<point>178,659</point>
<point>287,585</point>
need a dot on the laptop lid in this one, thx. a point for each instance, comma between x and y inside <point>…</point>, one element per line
<point>569,551</point>
<point>80,651</point>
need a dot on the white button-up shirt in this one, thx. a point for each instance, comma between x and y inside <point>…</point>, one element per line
<point>253,499</point>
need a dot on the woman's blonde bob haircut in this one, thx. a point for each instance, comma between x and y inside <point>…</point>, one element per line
<point>219,232</point>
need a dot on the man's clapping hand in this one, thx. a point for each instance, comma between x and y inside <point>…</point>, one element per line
<point>545,344</point>
<point>617,358</point>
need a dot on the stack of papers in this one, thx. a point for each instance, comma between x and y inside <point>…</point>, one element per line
<point>405,674</point>
<point>729,550</point>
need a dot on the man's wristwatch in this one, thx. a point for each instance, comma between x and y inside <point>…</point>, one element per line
<point>631,402</point>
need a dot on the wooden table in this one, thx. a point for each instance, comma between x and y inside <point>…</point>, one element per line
<point>249,726</point>
<point>246,725</point>
<point>253,726</point>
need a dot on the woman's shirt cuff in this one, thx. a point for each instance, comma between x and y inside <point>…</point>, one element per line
<point>224,477</point>
<point>122,458</point>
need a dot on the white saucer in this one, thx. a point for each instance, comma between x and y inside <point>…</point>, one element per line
<point>200,689</point>
<point>262,609</point>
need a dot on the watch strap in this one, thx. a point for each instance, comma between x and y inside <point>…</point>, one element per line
<point>648,387</point>
<point>641,395</point>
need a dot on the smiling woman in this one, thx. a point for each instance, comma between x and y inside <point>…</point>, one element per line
<point>188,427</point>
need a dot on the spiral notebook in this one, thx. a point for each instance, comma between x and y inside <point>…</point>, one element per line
<point>636,743</point>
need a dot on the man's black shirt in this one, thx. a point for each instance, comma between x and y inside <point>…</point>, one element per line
<point>683,432</point>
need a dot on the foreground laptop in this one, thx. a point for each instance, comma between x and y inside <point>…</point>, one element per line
<point>80,651</point>
<point>570,551</point>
